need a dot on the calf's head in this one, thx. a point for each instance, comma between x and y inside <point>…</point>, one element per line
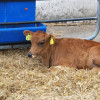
<point>39,40</point>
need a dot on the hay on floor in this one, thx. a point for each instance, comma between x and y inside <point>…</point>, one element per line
<point>23,78</point>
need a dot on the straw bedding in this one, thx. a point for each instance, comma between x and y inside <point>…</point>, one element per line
<point>23,78</point>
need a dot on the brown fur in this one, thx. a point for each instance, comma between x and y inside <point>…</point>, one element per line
<point>71,52</point>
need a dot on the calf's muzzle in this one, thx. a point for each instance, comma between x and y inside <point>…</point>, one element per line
<point>30,54</point>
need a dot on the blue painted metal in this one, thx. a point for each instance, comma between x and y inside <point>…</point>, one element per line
<point>12,11</point>
<point>15,10</point>
<point>15,35</point>
<point>2,11</point>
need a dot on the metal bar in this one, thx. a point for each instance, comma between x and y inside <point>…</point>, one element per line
<point>74,19</point>
<point>49,21</point>
<point>97,23</point>
<point>14,46</point>
<point>42,0</point>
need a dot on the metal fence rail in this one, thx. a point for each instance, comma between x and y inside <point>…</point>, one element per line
<point>49,21</point>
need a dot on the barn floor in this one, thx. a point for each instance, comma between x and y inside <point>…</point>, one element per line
<point>73,30</point>
<point>23,78</point>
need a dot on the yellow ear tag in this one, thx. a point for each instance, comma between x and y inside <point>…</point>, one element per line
<point>51,41</point>
<point>28,37</point>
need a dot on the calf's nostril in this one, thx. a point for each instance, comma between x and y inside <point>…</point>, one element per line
<point>30,54</point>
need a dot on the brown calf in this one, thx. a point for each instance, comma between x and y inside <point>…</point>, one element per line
<point>71,52</point>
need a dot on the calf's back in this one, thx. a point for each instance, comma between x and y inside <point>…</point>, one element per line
<point>71,52</point>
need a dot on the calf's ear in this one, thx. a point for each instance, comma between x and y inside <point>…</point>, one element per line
<point>51,36</point>
<point>27,32</point>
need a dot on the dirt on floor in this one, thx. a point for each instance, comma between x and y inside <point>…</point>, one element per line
<point>23,78</point>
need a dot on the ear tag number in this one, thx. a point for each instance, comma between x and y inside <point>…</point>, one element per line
<point>51,41</point>
<point>28,37</point>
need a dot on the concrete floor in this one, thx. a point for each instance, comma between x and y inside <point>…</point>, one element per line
<point>75,31</point>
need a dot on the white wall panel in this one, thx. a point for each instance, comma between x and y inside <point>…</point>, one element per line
<point>63,9</point>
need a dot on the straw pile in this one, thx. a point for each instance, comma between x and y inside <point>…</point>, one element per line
<point>23,78</point>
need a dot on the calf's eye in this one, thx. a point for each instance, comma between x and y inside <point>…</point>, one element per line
<point>42,42</point>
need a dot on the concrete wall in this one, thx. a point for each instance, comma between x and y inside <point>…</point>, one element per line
<point>63,9</point>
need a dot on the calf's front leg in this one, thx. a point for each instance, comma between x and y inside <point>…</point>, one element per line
<point>47,62</point>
